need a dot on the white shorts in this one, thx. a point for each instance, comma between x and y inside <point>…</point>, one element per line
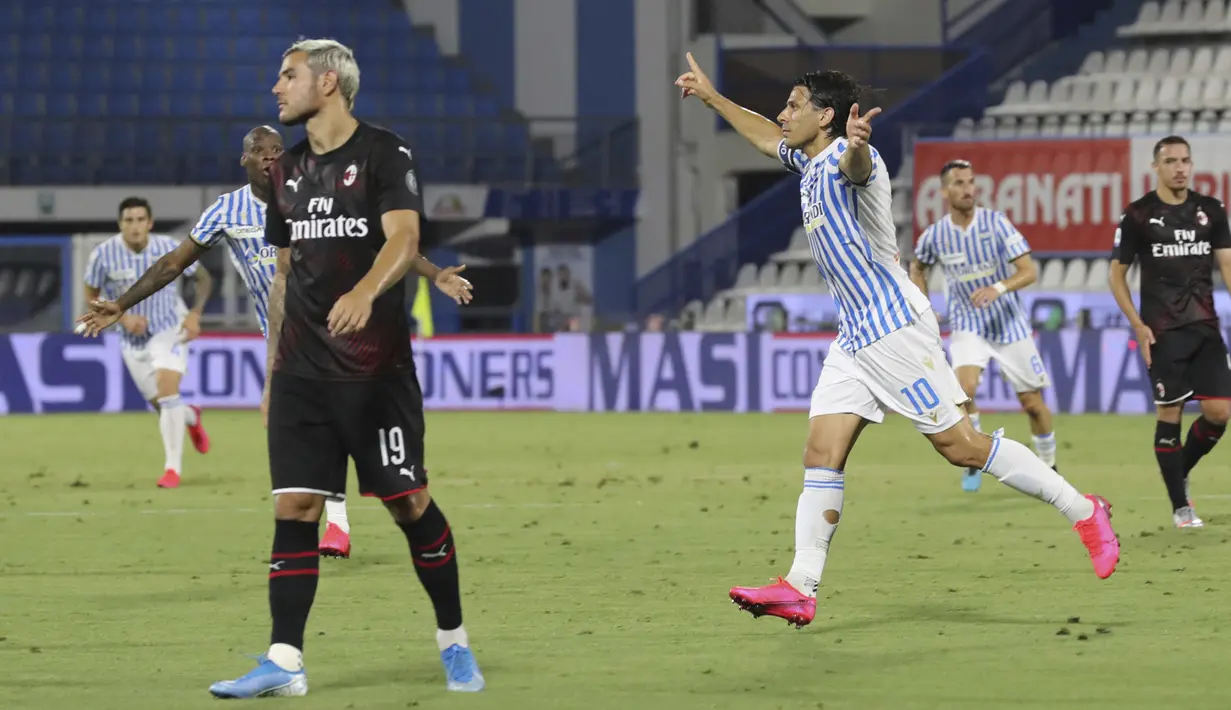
<point>905,371</point>
<point>163,351</point>
<point>1019,361</point>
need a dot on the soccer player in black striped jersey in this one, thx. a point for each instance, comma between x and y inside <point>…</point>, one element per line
<point>344,216</point>
<point>1178,236</point>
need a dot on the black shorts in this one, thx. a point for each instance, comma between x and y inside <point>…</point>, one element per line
<point>1190,361</point>
<point>315,425</point>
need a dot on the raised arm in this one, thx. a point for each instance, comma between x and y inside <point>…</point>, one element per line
<point>762,133</point>
<point>857,163</point>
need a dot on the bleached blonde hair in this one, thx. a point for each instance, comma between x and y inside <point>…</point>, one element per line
<point>331,55</point>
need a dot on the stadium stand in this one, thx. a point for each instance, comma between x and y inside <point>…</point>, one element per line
<point>97,74</point>
<point>1169,71</point>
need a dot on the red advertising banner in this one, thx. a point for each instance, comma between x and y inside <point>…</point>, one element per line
<point>1064,195</point>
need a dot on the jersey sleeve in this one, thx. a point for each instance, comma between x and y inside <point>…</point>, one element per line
<point>211,227</point>
<point>396,179</point>
<point>1128,240</point>
<point>276,233</point>
<point>95,269</point>
<point>1220,234</point>
<point>925,249</point>
<point>793,160</point>
<point>1013,244</point>
<point>835,168</point>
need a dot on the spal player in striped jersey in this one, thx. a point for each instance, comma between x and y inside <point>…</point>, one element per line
<point>237,218</point>
<point>154,337</point>
<point>985,261</point>
<point>888,355</point>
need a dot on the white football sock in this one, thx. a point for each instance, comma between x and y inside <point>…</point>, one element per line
<point>335,512</point>
<point>190,416</point>
<point>1045,447</point>
<point>974,419</point>
<point>821,499</point>
<point>1015,466</point>
<point>171,424</point>
<point>458,637</point>
<point>286,656</point>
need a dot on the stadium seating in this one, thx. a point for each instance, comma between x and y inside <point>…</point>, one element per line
<point>162,92</point>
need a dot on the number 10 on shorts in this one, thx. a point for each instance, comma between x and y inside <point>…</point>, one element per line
<point>921,395</point>
<point>392,446</point>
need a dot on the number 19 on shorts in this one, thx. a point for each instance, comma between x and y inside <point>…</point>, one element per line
<point>921,395</point>
<point>392,446</point>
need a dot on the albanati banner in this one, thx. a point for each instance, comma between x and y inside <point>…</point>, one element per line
<point>1065,195</point>
<point>1091,371</point>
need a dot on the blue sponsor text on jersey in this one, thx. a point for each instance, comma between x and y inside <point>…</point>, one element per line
<point>973,258</point>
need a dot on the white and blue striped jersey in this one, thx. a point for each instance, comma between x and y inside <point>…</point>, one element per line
<point>239,218</point>
<point>971,259</point>
<point>854,242</point>
<point>114,267</point>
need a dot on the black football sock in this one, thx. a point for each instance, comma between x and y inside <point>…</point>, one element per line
<point>294,569</point>
<point>431,549</point>
<point>1171,461</point>
<point>1202,436</point>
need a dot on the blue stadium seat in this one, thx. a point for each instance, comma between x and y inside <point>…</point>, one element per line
<point>27,138</point>
<point>257,78</point>
<point>122,104</point>
<point>35,46</point>
<point>62,104</point>
<point>98,47</point>
<point>92,105</point>
<point>100,18</point>
<point>65,77</point>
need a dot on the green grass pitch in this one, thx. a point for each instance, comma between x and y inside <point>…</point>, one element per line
<point>596,553</point>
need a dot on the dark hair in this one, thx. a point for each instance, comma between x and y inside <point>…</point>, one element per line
<point>832,89</point>
<point>1171,140</point>
<point>130,202</point>
<point>957,164</point>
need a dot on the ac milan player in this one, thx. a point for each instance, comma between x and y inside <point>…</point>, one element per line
<point>1178,235</point>
<point>344,215</point>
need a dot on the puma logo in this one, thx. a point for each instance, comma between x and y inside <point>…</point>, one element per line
<point>1158,221</point>
<point>1168,442</point>
<point>408,472</point>
<point>406,150</point>
<point>294,184</point>
<point>276,566</point>
<point>439,554</point>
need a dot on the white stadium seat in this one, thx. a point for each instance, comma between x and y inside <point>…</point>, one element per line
<point>1169,18</point>
<point>1192,16</point>
<point>1146,17</point>
<point>788,278</point>
<point>1146,98</point>
<point>965,129</point>
<point>767,279</point>
<point>1207,122</point>
<point>1006,128</point>
<point>736,318</point>
<point>1050,126</point>
<point>714,312</point>
<point>1059,97</point>
<point>1190,92</point>
<point>1116,126</point>
<point>1101,97</point>
<point>1115,62</point>
<point>1224,124</point>
<point>1185,123</point>
<point>986,129</point>
<point>1083,91</point>
<point>1074,275</point>
<point>1168,92</point>
<point>1203,60</point>
<point>1092,64</point>
<point>1014,98</point>
<point>1125,96</point>
<point>810,279</point>
<point>1160,123</point>
<point>1222,60</point>
<point>1226,22</point>
<point>1137,61</point>
<point>1160,62</point>
<point>1096,277</point>
<point>1213,94</point>
<point>1072,126</point>
<point>1029,127</point>
<point>747,277</point>
<point>1215,13</point>
<point>1181,61</point>
<point>1051,274</point>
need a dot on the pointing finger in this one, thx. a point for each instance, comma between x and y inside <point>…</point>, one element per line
<point>692,62</point>
<point>872,113</point>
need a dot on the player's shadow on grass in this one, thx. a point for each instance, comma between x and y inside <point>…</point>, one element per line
<point>418,670</point>
<point>915,613</point>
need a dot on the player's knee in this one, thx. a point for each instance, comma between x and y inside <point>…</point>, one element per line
<point>963,447</point>
<point>824,454</point>
<point>409,509</point>
<point>1216,411</point>
<point>304,507</point>
<point>1033,404</point>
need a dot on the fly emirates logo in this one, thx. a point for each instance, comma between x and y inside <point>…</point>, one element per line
<point>320,225</point>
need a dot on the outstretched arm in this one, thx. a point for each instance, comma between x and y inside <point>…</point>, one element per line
<point>857,163</point>
<point>758,130</point>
